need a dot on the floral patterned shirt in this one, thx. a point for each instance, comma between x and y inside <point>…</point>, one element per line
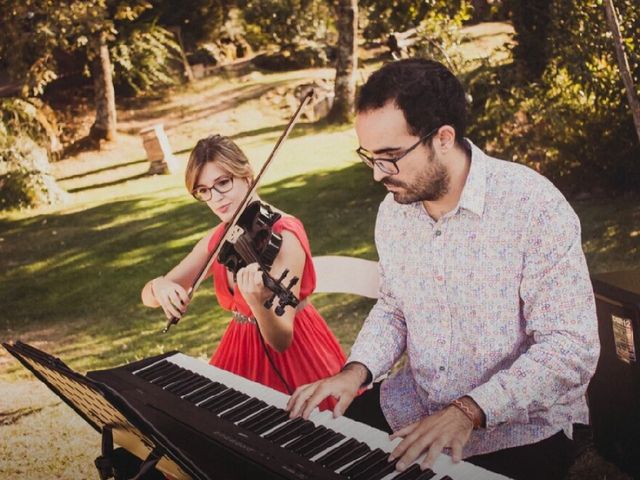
<point>493,301</point>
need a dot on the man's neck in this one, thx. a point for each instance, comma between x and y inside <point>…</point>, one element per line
<point>458,163</point>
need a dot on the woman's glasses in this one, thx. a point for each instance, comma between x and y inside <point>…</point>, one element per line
<point>389,165</point>
<point>222,185</point>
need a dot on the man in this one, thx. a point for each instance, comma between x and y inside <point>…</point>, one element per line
<point>484,286</point>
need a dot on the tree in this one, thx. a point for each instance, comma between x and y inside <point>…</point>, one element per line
<point>36,33</point>
<point>531,21</point>
<point>623,62</point>
<point>346,63</point>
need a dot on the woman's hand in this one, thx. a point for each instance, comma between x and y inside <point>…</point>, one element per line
<point>171,296</point>
<point>251,284</point>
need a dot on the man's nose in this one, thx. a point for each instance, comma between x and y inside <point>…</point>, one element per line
<point>378,175</point>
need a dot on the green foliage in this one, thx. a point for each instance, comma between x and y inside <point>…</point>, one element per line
<point>382,18</point>
<point>25,177</point>
<point>285,22</point>
<point>574,124</point>
<point>147,58</point>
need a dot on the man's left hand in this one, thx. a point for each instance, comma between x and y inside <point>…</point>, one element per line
<point>447,428</point>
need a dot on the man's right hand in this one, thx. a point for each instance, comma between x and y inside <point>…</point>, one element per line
<point>343,386</point>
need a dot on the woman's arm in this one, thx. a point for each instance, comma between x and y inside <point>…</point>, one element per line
<point>277,330</point>
<point>170,291</point>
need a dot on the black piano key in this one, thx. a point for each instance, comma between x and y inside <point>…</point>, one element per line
<point>224,400</point>
<point>384,470</point>
<point>411,473</point>
<point>317,433</point>
<point>345,447</point>
<point>375,462</point>
<point>151,371</point>
<point>284,428</point>
<point>446,477</point>
<point>428,474</point>
<point>190,386</point>
<point>163,373</point>
<point>275,420</point>
<point>250,422</point>
<point>349,457</point>
<point>313,450</point>
<point>229,403</point>
<point>171,378</point>
<point>303,429</point>
<point>363,463</point>
<point>205,393</point>
<point>218,397</point>
<point>244,410</point>
<point>187,384</point>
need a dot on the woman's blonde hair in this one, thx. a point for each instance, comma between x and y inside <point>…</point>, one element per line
<point>223,151</point>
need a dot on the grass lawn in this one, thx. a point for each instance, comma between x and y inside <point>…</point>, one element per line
<point>71,275</point>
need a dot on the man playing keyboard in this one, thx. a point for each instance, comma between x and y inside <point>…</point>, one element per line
<point>484,287</point>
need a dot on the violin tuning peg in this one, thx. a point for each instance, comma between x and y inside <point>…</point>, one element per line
<point>279,310</point>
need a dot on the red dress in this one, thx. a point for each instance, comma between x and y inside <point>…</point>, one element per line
<point>314,352</point>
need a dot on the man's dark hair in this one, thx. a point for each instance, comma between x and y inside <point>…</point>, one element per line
<point>428,94</point>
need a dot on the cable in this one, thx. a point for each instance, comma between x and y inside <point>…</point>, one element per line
<point>273,365</point>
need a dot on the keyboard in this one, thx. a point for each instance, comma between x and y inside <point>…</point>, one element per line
<point>222,426</point>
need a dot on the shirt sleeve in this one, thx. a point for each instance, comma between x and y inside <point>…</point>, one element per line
<point>382,339</point>
<point>558,309</point>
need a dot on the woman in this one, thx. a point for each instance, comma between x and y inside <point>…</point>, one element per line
<point>298,346</point>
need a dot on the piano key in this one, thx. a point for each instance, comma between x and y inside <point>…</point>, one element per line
<point>372,438</point>
<point>364,463</point>
<point>206,393</point>
<point>385,470</point>
<point>341,449</point>
<point>411,473</point>
<point>152,369</point>
<point>188,384</point>
<point>373,464</point>
<point>193,386</point>
<point>287,426</point>
<point>255,421</point>
<point>231,402</point>
<point>224,401</point>
<point>244,410</point>
<point>306,439</point>
<point>165,380</point>
<point>171,369</point>
<point>218,397</point>
<point>346,460</point>
<point>322,446</point>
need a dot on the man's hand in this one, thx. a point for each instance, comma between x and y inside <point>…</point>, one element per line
<point>447,428</point>
<point>343,386</point>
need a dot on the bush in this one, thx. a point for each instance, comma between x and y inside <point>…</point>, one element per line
<point>25,175</point>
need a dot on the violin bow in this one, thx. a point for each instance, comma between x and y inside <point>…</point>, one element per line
<point>229,229</point>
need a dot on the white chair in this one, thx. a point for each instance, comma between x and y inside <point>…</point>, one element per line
<point>337,274</point>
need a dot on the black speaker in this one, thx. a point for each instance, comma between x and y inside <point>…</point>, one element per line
<point>614,391</point>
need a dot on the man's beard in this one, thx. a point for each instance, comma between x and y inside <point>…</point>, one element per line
<point>430,184</point>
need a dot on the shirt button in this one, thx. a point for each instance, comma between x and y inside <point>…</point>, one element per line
<point>442,369</point>
<point>438,233</point>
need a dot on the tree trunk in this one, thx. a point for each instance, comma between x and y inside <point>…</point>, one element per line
<point>188,73</point>
<point>346,64</point>
<point>623,64</point>
<point>104,127</point>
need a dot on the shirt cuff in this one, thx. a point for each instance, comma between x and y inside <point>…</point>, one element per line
<point>495,404</point>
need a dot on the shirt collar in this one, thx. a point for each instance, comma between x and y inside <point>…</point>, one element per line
<point>473,193</point>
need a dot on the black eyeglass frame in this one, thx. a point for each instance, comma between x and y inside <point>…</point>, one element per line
<point>212,187</point>
<point>381,163</point>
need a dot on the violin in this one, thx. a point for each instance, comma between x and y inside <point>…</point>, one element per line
<point>253,241</point>
<point>232,232</point>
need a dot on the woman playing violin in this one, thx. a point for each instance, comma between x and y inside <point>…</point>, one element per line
<point>280,351</point>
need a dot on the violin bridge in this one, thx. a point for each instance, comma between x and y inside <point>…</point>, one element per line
<point>234,233</point>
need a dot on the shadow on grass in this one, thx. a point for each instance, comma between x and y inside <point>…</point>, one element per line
<point>74,279</point>
<point>101,170</point>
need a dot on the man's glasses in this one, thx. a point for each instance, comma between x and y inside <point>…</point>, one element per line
<point>389,165</point>
<point>222,185</point>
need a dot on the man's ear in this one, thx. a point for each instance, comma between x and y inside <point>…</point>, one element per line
<point>445,139</point>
